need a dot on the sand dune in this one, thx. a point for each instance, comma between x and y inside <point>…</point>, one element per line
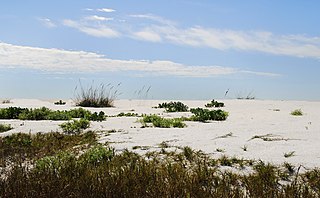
<point>247,118</point>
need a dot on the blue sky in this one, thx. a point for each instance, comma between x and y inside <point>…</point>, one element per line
<point>183,49</point>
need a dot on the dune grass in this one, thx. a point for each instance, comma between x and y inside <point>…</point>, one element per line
<point>5,127</point>
<point>96,96</point>
<point>297,112</point>
<point>56,169</point>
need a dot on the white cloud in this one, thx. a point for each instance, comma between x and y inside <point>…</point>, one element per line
<point>97,31</point>
<point>47,22</point>
<point>98,18</point>
<point>153,18</point>
<point>105,10</point>
<point>58,60</point>
<point>147,36</point>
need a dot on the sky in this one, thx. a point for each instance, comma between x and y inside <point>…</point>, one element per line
<point>182,49</point>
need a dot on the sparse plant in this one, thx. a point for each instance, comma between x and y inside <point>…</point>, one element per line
<point>6,101</point>
<point>122,114</point>
<point>60,102</point>
<point>214,103</point>
<point>5,127</point>
<point>220,150</point>
<point>75,126</point>
<point>297,112</point>
<point>289,154</point>
<point>245,148</point>
<point>100,96</point>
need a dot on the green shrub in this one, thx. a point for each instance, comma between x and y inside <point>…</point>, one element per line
<point>122,114</point>
<point>5,127</point>
<point>11,112</point>
<point>60,102</point>
<point>160,122</point>
<point>44,113</point>
<point>97,155</point>
<point>174,107</point>
<point>204,115</point>
<point>75,126</point>
<point>214,103</point>
<point>297,112</point>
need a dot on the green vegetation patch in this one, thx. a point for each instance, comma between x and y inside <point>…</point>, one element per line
<point>204,115</point>
<point>45,113</point>
<point>75,126</point>
<point>174,107</point>
<point>160,122</point>
<point>297,112</point>
<point>5,127</point>
<point>214,103</point>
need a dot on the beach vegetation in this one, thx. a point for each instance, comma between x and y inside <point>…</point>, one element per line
<point>214,103</point>
<point>45,113</point>
<point>174,107</point>
<point>160,122</point>
<point>60,102</point>
<point>297,112</point>
<point>96,96</point>
<point>51,165</point>
<point>204,115</point>
<point>75,126</point>
<point>5,127</point>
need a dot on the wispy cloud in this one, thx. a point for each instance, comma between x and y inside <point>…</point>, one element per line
<point>96,30</point>
<point>154,28</point>
<point>58,60</point>
<point>105,10</point>
<point>98,18</point>
<point>47,22</point>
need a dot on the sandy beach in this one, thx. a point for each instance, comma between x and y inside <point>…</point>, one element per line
<point>255,129</point>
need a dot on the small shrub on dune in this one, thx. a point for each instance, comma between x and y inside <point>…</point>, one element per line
<point>60,102</point>
<point>297,112</point>
<point>5,127</point>
<point>160,122</point>
<point>75,126</point>
<point>101,96</point>
<point>204,115</point>
<point>174,107</point>
<point>214,103</point>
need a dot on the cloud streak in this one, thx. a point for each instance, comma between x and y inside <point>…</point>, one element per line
<point>47,22</point>
<point>153,28</point>
<point>57,60</point>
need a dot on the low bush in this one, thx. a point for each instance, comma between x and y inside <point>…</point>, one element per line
<point>214,103</point>
<point>75,126</point>
<point>174,107</point>
<point>44,113</point>
<point>297,112</point>
<point>204,115</point>
<point>5,127</point>
<point>127,115</point>
<point>60,102</point>
<point>160,122</point>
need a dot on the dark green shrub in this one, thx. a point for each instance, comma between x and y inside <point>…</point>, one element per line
<point>60,102</point>
<point>5,127</point>
<point>204,115</point>
<point>122,114</point>
<point>11,112</point>
<point>97,154</point>
<point>174,107</point>
<point>214,103</point>
<point>75,126</point>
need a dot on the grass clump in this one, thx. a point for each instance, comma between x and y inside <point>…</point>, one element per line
<point>289,154</point>
<point>75,126</point>
<point>45,113</point>
<point>297,112</point>
<point>122,114</point>
<point>174,107</point>
<point>99,172</point>
<point>160,122</point>
<point>5,127</point>
<point>204,115</point>
<point>214,103</point>
<point>100,96</point>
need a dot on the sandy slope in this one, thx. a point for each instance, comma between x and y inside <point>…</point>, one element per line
<point>248,118</point>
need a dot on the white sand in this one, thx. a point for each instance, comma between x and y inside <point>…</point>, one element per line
<point>248,118</point>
